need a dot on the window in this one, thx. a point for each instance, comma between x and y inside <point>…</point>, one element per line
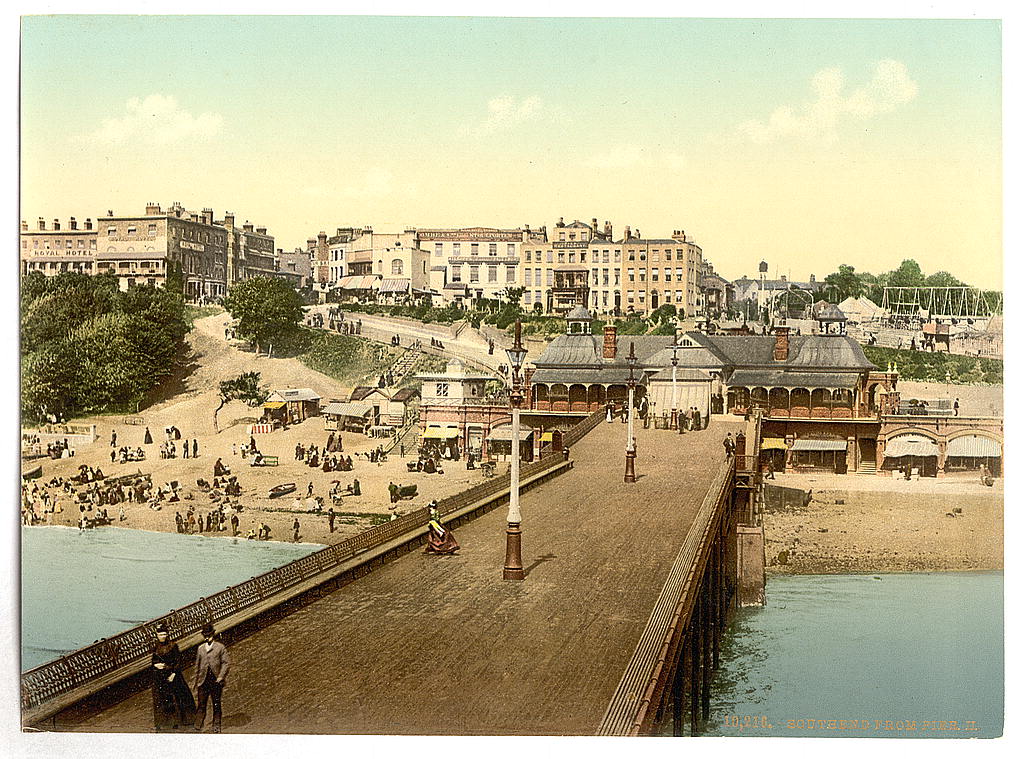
<point>24,244</point>
<point>474,273</point>
<point>442,390</point>
<point>572,256</point>
<point>474,249</point>
<point>396,266</point>
<point>631,255</point>
<point>679,296</point>
<point>604,277</point>
<point>654,275</point>
<point>111,231</point>
<point>655,255</point>
<point>133,230</point>
<point>537,297</point>
<point>561,256</point>
<point>618,256</point>
<point>456,274</point>
<point>492,249</point>
<point>550,256</point>
<point>583,256</point>
<point>632,275</point>
<point>643,275</point>
<point>550,278</point>
<point>152,229</point>
<point>572,235</point>
<point>511,249</point>
<point>595,276</point>
<point>456,249</point>
<point>536,256</point>
<point>69,244</point>
<point>604,256</point>
<point>643,256</point>
<point>629,296</point>
<point>536,277</point>
<point>642,295</point>
<point>510,274</point>
<point>561,236</point>
<point>492,273</point>
<point>528,280</point>
<point>617,278</point>
<point>527,297</point>
<point>438,248</point>
<point>679,273</point>
<point>668,274</point>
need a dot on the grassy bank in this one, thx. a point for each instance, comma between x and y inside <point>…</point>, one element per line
<point>358,361</point>
<point>934,367</point>
<point>199,312</point>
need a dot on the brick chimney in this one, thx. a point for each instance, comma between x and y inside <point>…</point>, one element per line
<point>610,341</point>
<point>72,224</point>
<point>229,220</point>
<point>247,227</point>
<point>781,343</point>
<point>42,224</point>
<point>88,224</point>
<point>626,235</point>
<point>56,225</point>
<point>153,209</point>
<point>261,230</point>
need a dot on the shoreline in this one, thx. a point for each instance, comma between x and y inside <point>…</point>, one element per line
<point>211,535</point>
<point>882,531</point>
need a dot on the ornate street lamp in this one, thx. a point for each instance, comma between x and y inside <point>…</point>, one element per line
<point>513,535</point>
<point>674,424</point>
<point>630,447</point>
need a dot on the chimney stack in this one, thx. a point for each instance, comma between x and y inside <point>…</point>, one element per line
<point>72,224</point>
<point>229,220</point>
<point>208,216</point>
<point>594,220</point>
<point>626,234</point>
<point>56,225</point>
<point>88,224</point>
<point>782,343</point>
<point>152,209</point>
<point>42,224</point>
<point>261,230</point>
<point>248,227</point>
<point>610,341</point>
<point>24,226</point>
<point>608,229</point>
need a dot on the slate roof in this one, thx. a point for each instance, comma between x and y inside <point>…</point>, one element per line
<point>347,409</point>
<point>612,374</point>
<point>783,378</point>
<point>682,375</point>
<point>297,394</point>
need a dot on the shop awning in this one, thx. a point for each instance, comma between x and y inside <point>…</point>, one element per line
<point>547,437</point>
<point>394,286</point>
<point>818,445</point>
<point>273,405</point>
<point>440,433</point>
<point>974,446</point>
<point>505,433</point>
<point>352,408</point>
<point>356,283</point>
<point>773,444</point>
<point>909,445</point>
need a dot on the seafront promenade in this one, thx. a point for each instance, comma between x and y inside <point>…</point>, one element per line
<point>441,645</point>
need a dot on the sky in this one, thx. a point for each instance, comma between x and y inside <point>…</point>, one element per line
<point>807,144</point>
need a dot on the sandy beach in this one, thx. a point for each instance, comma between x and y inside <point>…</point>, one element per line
<point>873,524</point>
<point>191,409</point>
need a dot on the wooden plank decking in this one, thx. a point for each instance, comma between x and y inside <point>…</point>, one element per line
<point>441,645</point>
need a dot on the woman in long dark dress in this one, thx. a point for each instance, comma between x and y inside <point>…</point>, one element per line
<point>173,705</point>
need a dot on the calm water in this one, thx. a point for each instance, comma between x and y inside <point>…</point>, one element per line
<point>899,648</point>
<point>78,586</point>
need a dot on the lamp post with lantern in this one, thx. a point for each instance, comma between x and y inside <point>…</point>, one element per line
<point>513,535</point>
<point>674,424</point>
<point>630,446</point>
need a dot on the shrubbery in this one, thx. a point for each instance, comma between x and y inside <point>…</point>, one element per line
<point>924,366</point>
<point>88,347</point>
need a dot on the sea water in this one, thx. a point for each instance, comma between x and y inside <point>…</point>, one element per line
<point>80,586</point>
<point>886,655</point>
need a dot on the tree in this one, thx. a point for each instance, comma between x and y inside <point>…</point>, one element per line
<point>512,294</point>
<point>246,388</point>
<point>907,275</point>
<point>942,279</point>
<point>267,310</point>
<point>847,284</point>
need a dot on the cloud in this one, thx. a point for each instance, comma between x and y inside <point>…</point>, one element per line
<point>506,111</point>
<point>156,120</point>
<point>817,119</point>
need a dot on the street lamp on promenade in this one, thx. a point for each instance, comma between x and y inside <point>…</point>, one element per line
<point>630,446</point>
<point>674,424</point>
<point>514,535</point>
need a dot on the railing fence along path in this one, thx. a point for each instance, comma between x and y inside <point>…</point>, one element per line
<point>104,657</point>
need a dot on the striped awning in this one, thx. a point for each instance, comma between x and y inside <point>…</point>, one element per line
<point>357,283</point>
<point>394,286</point>
<point>818,445</point>
<point>974,446</point>
<point>773,444</point>
<point>910,445</point>
<point>440,433</point>
<point>505,433</point>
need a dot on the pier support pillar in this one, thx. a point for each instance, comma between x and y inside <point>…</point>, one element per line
<point>707,637</point>
<point>750,565</point>
<point>678,693</point>
<point>695,671</point>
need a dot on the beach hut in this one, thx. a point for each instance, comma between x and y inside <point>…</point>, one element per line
<point>352,416</point>
<point>299,404</point>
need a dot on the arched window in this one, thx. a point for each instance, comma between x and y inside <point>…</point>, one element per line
<point>396,267</point>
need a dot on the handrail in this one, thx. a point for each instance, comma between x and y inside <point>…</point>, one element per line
<point>100,659</point>
<point>630,705</point>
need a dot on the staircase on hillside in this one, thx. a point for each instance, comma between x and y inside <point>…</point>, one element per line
<point>403,365</point>
<point>867,467</point>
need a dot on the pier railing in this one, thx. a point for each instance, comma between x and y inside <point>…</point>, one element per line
<point>103,662</point>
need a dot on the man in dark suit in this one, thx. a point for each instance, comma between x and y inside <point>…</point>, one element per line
<point>212,664</point>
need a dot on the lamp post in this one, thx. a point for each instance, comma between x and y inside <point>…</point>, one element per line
<point>514,535</point>
<point>674,424</point>
<point>630,448</point>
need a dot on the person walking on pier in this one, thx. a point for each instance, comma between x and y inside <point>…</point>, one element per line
<point>173,704</point>
<point>330,519</point>
<point>212,664</point>
<point>729,444</point>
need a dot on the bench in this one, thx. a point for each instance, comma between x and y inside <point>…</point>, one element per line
<point>267,461</point>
